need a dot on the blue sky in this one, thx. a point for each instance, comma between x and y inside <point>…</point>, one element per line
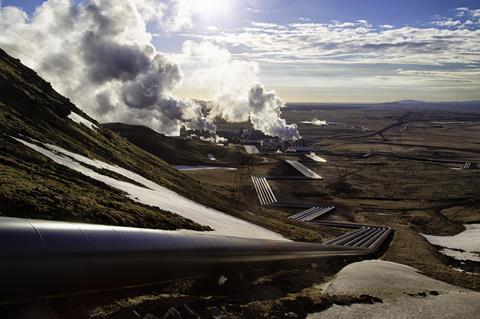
<point>337,50</point>
<point>283,11</point>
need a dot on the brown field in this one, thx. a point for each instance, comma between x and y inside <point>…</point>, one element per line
<point>413,181</point>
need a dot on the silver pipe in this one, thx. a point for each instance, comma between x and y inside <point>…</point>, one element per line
<point>41,258</point>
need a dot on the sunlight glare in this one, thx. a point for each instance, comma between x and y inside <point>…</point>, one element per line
<point>212,8</point>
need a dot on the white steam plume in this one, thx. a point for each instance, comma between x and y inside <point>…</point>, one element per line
<point>235,88</point>
<point>100,55</point>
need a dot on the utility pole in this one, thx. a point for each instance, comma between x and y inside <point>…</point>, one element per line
<point>245,170</point>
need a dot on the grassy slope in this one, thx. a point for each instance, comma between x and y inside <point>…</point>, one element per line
<point>32,186</point>
<point>175,151</point>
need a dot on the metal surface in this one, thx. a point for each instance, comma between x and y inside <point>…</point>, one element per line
<point>311,213</point>
<point>251,149</point>
<point>264,192</point>
<point>370,237</point>
<point>303,169</point>
<point>46,258</point>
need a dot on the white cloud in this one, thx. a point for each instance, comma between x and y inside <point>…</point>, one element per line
<point>331,55</point>
<point>265,25</point>
<point>446,23</point>
<point>387,26</point>
<point>351,42</point>
<point>254,10</point>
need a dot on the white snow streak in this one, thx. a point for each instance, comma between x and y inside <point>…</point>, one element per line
<point>80,120</point>
<point>460,255</point>
<point>156,195</point>
<point>201,167</point>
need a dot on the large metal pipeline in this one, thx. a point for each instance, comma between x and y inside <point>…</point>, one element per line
<point>41,258</point>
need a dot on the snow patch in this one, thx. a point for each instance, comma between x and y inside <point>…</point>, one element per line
<point>468,241</point>
<point>460,255</point>
<point>155,195</point>
<point>404,293</point>
<point>196,168</point>
<point>211,157</point>
<point>81,120</point>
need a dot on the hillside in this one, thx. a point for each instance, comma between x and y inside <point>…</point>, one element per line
<point>173,150</point>
<point>31,186</point>
<point>58,163</point>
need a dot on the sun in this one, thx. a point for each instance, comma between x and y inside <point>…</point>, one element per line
<point>211,9</point>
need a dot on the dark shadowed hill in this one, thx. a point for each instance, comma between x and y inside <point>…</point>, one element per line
<point>173,150</point>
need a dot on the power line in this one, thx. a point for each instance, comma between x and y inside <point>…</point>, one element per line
<point>43,47</point>
<point>36,60</point>
<point>30,57</point>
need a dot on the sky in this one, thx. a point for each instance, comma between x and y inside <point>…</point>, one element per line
<point>327,50</point>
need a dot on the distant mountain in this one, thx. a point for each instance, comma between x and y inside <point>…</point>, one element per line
<point>410,102</point>
<point>33,114</point>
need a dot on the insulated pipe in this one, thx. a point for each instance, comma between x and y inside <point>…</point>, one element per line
<point>41,258</point>
<point>317,213</point>
<point>374,238</point>
<point>379,241</point>
<point>267,185</point>
<point>336,240</point>
<point>353,235</point>
<point>338,224</point>
<point>260,199</point>
<point>358,238</point>
<point>302,213</point>
<point>373,234</point>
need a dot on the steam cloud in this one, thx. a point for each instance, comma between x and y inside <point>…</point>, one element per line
<point>99,53</point>
<point>265,114</point>
<point>235,86</point>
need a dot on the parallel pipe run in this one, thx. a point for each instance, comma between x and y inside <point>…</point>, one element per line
<point>379,241</point>
<point>311,213</point>
<point>338,224</point>
<point>372,239</point>
<point>350,236</point>
<point>334,241</point>
<point>47,258</point>
<point>268,189</point>
<point>318,212</point>
<point>361,242</point>
<point>303,169</point>
<point>258,190</point>
<point>362,239</point>
<point>264,191</point>
<point>303,213</point>
<point>355,240</point>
